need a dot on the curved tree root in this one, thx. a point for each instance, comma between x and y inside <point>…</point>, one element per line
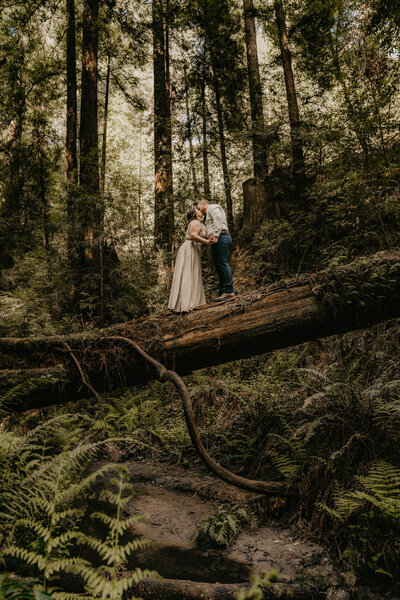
<point>272,488</point>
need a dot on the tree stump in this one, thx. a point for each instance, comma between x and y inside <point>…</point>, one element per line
<point>257,206</point>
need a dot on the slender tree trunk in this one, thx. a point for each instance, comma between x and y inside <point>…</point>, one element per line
<point>189,133</point>
<point>102,188</point>
<point>89,213</point>
<point>222,145</point>
<point>294,118</point>
<point>71,143</point>
<point>260,154</point>
<point>163,191</point>
<point>380,125</point>
<point>38,143</point>
<point>140,193</point>
<point>206,173</point>
<point>105,122</point>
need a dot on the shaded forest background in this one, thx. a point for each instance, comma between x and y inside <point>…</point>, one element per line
<point>115,118</point>
<point>86,230</point>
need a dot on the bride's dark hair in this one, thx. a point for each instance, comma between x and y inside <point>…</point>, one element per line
<point>191,215</point>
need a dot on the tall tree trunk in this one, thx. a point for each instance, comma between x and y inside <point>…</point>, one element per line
<point>140,193</point>
<point>294,118</point>
<point>189,133</point>
<point>11,204</point>
<point>105,121</point>
<point>102,188</point>
<point>163,191</point>
<point>222,145</point>
<point>206,173</point>
<point>209,42</point>
<point>89,212</point>
<point>260,154</point>
<point>71,142</point>
<point>39,146</point>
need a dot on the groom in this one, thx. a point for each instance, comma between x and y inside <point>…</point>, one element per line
<point>218,234</point>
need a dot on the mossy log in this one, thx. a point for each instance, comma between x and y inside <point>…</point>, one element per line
<point>182,589</point>
<point>285,314</point>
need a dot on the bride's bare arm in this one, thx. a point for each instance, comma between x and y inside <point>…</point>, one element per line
<point>194,230</point>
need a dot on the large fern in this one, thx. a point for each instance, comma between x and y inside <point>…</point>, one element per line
<point>104,581</point>
<point>223,527</point>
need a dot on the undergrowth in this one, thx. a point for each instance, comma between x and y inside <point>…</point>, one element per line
<point>48,488</point>
<point>222,528</point>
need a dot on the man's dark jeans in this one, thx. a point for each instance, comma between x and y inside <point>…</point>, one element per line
<point>220,252</point>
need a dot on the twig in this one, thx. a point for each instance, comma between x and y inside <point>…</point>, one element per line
<point>82,374</point>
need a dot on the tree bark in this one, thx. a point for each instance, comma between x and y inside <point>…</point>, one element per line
<point>222,145</point>
<point>41,171</point>
<point>89,209</point>
<point>182,589</point>
<point>260,153</point>
<point>105,122</point>
<point>206,173</point>
<point>282,315</point>
<point>163,189</point>
<point>71,136</point>
<point>189,134</point>
<point>294,117</point>
<point>12,172</point>
<point>72,110</point>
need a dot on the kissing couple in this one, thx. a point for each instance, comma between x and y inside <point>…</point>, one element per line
<point>187,289</point>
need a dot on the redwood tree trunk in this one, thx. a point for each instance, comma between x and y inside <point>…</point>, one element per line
<point>222,145</point>
<point>206,173</point>
<point>260,154</point>
<point>105,122</point>
<point>163,190</point>
<point>294,118</point>
<point>89,209</point>
<point>11,203</point>
<point>189,134</point>
<point>71,142</point>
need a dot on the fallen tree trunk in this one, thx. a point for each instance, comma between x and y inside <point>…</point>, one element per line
<point>285,314</point>
<point>182,589</point>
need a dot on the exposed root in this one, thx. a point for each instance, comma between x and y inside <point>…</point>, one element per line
<point>272,488</point>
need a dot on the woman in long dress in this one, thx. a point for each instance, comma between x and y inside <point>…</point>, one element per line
<point>187,289</point>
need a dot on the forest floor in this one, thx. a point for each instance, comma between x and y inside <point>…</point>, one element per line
<point>175,500</point>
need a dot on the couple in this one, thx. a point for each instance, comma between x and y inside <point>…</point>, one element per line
<point>187,290</point>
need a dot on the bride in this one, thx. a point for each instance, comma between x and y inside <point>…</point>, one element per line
<point>187,290</point>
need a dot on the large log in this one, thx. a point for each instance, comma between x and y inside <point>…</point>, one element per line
<point>182,589</point>
<point>285,314</point>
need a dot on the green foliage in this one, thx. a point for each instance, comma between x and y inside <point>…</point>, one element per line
<point>222,528</point>
<point>258,582</point>
<point>369,286</point>
<point>46,486</point>
<point>15,588</point>
<point>18,392</point>
<point>104,581</point>
<point>373,508</point>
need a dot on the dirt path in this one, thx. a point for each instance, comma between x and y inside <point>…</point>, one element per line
<point>175,500</point>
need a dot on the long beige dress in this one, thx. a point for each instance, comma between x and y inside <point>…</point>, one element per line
<point>187,290</point>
